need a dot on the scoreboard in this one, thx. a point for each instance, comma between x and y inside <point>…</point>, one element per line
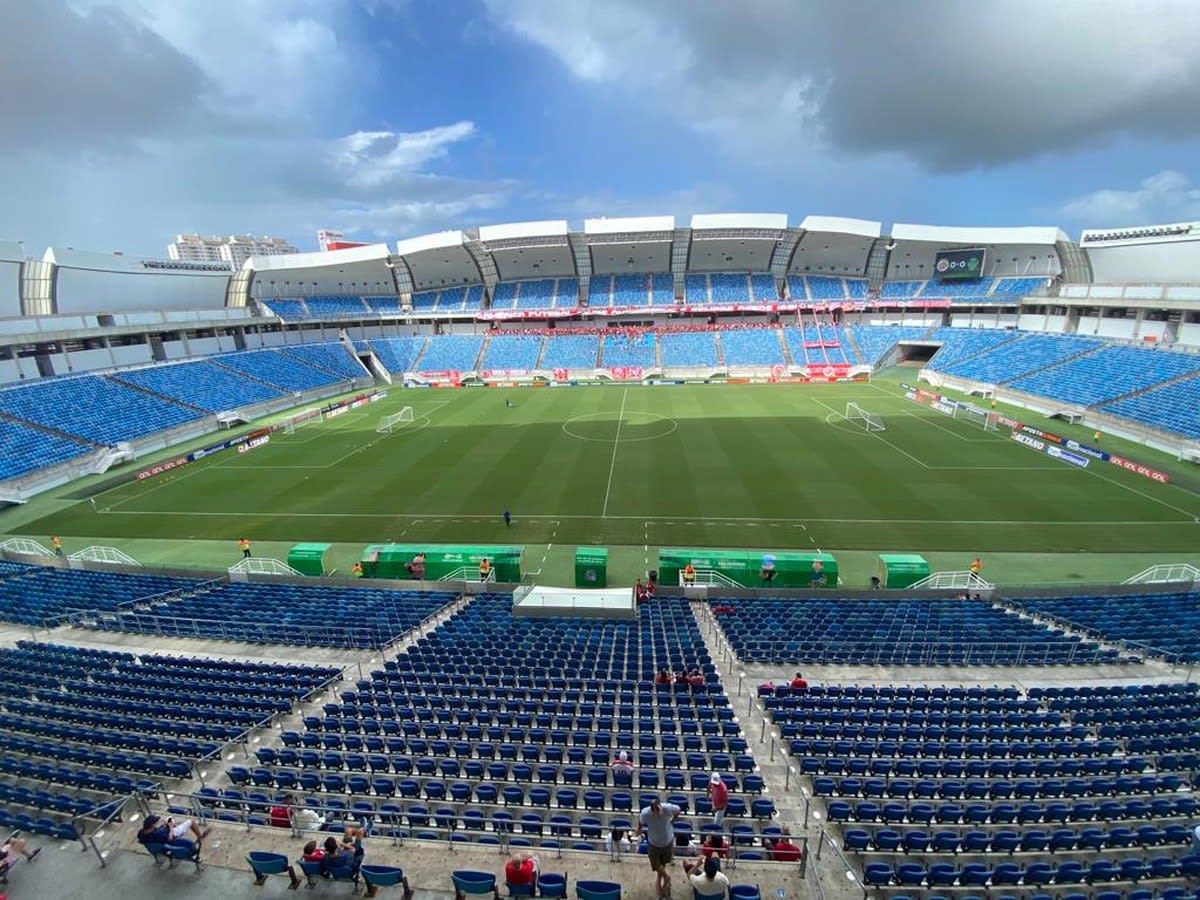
<point>959,265</point>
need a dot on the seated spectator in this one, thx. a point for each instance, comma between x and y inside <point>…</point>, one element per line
<point>798,683</point>
<point>307,819</point>
<point>312,853</point>
<point>695,679</point>
<point>783,850</point>
<point>714,845</point>
<point>157,830</point>
<point>622,765</point>
<point>12,851</point>
<point>723,609</point>
<point>639,592</point>
<point>766,689</point>
<point>707,878</point>
<point>681,678</point>
<point>521,869</point>
<point>416,567</point>
<point>663,677</point>
<point>618,841</point>
<point>339,856</point>
<point>281,812</point>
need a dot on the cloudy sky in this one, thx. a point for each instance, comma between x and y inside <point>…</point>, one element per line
<point>127,121</point>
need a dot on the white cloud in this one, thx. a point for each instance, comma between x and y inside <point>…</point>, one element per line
<point>371,158</point>
<point>1165,197</point>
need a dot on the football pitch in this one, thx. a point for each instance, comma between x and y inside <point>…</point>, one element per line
<point>756,466</point>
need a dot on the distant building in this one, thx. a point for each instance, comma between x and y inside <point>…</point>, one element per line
<point>328,239</point>
<point>233,249</point>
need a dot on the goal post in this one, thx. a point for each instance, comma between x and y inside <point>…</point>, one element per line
<point>986,419</point>
<point>389,423</point>
<point>869,421</point>
<point>308,417</point>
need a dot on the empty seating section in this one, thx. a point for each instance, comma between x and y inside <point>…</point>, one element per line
<point>600,291</point>
<point>985,788</point>
<point>94,408</point>
<point>473,298</point>
<point>1175,407</point>
<point>763,288</point>
<point>1013,359</point>
<point>452,353</point>
<point>566,293</point>
<point>278,369</point>
<point>200,384</point>
<point>751,347</point>
<point>901,290</point>
<point>689,348</point>
<point>796,290</point>
<point>958,290</point>
<point>383,306</point>
<point>1169,623</point>
<point>875,341</point>
<point>856,288</point>
<point>824,287</point>
<point>512,351</point>
<point>535,294</point>
<point>496,725</point>
<point>815,345</point>
<point>729,287</point>
<point>288,310</point>
<point>629,349</point>
<point>398,354</point>
<point>284,614</point>
<point>696,289</point>
<point>34,595</point>
<point>86,728</point>
<point>504,295</point>
<point>425,300</point>
<point>962,343</point>
<point>662,290</point>
<point>571,351</point>
<point>337,307</point>
<point>1107,374</point>
<point>897,632</point>
<point>1017,287</point>
<point>331,357</point>
<point>630,290</point>
<point>24,449</point>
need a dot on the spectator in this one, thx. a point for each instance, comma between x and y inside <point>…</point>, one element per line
<point>798,683</point>
<point>416,567</point>
<point>681,678</point>
<point>695,679</point>
<point>714,845</point>
<point>12,851</point>
<point>766,689</point>
<point>718,793</point>
<point>622,769</point>
<point>707,879</point>
<point>689,574</point>
<point>657,821</point>
<point>639,592</point>
<point>521,869</point>
<point>976,566</point>
<point>876,584</point>
<point>306,819</point>
<point>783,850</point>
<point>340,856</point>
<point>244,544</point>
<point>312,853</point>
<point>485,569</point>
<point>56,544</point>
<point>282,812</point>
<point>768,570</point>
<point>357,570</point>
<point>617,842</point>
<point>663,677</point>
<point>157,830</point>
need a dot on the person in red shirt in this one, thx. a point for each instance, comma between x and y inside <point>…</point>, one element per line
<point>718,793</point>
<point>798,683</point>
<point>783,850</point>
<point>313,853</point>
<point>522,869</point>
<point>663,677</point>
<point>281,813</point>
<point>714,845</point>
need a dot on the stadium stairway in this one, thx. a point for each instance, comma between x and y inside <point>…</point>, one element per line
<point>980,352</point>
<point>1057,362</point>
<point>34,426</point>
<point>163,397</point>
<point>783,347</point>
<point>1185,376</point>
<point>415,366</point>
<point>848,333</point>
<point>542,353</point>
<point>720,350</point>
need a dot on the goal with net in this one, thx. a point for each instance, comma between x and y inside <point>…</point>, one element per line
<point>388,424</point>
<point>981,417</point>
<point>307,417</point>
<point>868,420</point>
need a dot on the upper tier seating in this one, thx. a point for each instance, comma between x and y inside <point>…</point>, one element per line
<point>201,384</point>
<point>629,350</point>
<point>662,289</point>
<point>34,595</point>
<point>512,351</point>
<point>825,287</point>
<point>398,354</point>
<point>1175,407</point>
<point>504,295</point>
<point>288,310</point>
<point>751,347</point>
<point>1017,287</point>
<point>384,306</point>
<point>816,355</point>
<point>566,293</point>
<point>277,368</point>
<point>1107,374</point>
<point>729,287</point>
<point>473,298</point>
<point>425,300</point>
<point>286,614</point>
<point>976,291</point>
<point>689,348</point>
<point>1013,359</point>
<point>856,288</point>
<point>571,351</point>
<point>1169,623</point>
<point>896,632</point>
<point>452,353</point>
<point>600,291</point>
<point>874,341</point>
<point>536,294</point>
<point>961,343</point>
<point>630,290</point>
<point>337,307</point>
<point>24,449</point>
<point>98,409</point>
<point>331,357</point>
<point>763,288</point>
<point>901,290</point>
<point>696,289</point>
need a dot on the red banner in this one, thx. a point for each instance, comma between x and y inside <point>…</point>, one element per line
<point>1145,471</point>
<point>165,466</point>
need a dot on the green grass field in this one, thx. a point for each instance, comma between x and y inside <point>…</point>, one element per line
<point>761,466</point>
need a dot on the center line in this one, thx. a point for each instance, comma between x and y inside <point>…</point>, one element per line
<point>616,443</point>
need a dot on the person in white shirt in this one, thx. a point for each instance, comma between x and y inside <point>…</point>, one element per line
<point>709,881</point>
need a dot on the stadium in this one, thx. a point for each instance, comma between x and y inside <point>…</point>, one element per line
<point>947,473</point>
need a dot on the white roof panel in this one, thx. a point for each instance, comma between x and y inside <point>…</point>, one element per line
<point>740,220</point>
<point>437,241</point>
<point>551,228</point>
<point>839,225</point>
<point>318,260</point>
<point>948,234</point>
<point>629,224</point>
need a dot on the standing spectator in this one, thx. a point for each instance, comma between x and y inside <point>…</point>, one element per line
<point>617,842</point>
<point>485,569</point>
<point>689,574</point>
<point>56,544</point>
<point>244,543</point>
<point>707,879</point>
<point>718,793</point>
<point>799,683</point>
<point>658,822</point>
<point>282,812</point>
<point>416,567</point>
<point>976,566</point>
<point>522,869</point>
<point>639,591</point>
<point>818,573</point>
<point>357,570</point>
<point>768,570</point>
<point>507,519</point>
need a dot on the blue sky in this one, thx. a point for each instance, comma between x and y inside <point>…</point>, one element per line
<point>136,119</point>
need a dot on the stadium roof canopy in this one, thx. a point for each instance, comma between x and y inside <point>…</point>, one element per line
<point>362,271</point>
<point>735,242</point>
<point>1010,251</point>
<point>631,245</point>
<point>833,245</point>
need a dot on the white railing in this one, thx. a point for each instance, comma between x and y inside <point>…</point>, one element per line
<point>1164,573</point>
<point>107,555</point>
<point>951,581</point>
<point>262,565</point>
<point>25,547</point>
<point>710,577</point>
<point>469,573</point>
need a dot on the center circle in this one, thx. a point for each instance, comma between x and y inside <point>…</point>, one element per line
<point>604,427</point>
